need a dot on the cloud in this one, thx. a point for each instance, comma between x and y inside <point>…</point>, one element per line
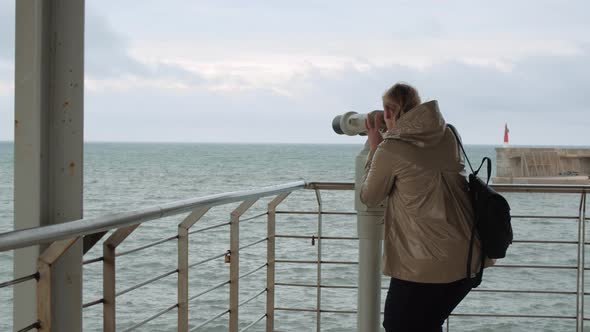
<point>537,95</point>
<point>109,62</point>
<point>255,72</point>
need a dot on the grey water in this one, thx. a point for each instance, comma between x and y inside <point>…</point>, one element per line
<point>125,176</point>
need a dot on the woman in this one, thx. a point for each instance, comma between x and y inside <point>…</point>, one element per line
<point>415,166</point>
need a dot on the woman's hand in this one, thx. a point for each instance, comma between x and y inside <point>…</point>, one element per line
<point>373,134</point>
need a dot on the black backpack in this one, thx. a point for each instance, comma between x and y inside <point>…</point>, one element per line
<point>492,216</point>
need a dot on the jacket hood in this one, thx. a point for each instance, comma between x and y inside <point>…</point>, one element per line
<point>422,126</point>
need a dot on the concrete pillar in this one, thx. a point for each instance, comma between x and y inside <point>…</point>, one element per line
<point>49,108</point>
<point>370,233</point>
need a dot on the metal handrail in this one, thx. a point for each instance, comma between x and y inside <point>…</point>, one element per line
<point>208,228</point>
<point>209,320</point>
<point>19,280</point>
<point>221,284</point>
<point>256,216</point>
<point>93,260</point>
<point>23,238</point>
<point>38,235</point>
<point>554,189</point>
<point>206,260</point>
<point>246,246</point>
<point>297,261</point>
<point>151,318</point>
<point>253,323</point>
<point>35,325</point>
<point>147,282</point>
<point>287,284</point>
<point>92,303</point>
<point>149,245</point>
<point>252,298</point>
<point>253,271</point>
<point>531,188</point>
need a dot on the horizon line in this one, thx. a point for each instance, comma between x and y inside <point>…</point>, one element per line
<point>299,143</point>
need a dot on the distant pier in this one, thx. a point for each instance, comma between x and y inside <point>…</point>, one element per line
<point>520,165</point>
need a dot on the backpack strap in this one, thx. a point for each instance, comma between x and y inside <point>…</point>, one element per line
<point>454,130</point>
<point>488,163</point>
<point>473,225</point>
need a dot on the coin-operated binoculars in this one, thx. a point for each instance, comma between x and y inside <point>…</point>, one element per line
<point>369,228</point>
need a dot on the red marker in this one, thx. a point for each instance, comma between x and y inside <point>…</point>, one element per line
<point>506,131</point>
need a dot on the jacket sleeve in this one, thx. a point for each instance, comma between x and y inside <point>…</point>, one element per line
<point>379,177</point>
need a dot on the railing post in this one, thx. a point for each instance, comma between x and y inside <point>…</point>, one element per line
<point>234,267</point>
<point>183,228</point>
<point>270,260</point>
<point>109,276</point>
<point>583,269</point>
<point>45,264</point>
<point>319,265</point>
<point>370,233</point>
<point>581,263</point>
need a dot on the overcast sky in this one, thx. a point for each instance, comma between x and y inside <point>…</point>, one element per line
<point>278,71</point>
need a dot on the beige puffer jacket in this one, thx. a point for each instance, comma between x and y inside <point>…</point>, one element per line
<point>419,173</point>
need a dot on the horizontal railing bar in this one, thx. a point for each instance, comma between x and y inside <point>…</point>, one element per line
<point>313,262</point>
<point>149,245</point>
<point>253,217</point>
<point>209,320</point>
<point>545,241</point>
<point>151,318</point>
<point>474,290</point>
<point>351,213</point>
<point>315,310</point>
<point>32,236</point>
<point>529,188</point>
<point>330,185</point>
<point>93,303</point>
<point>35,325</point>
<point>295,309</point>
<point>314,285</point>
<point>38,235</point>
<point>252,298</point>
<point>491,290</point>
<point>330,311</point>
<point>542,188</point>
<point>209,227</point>
<point>221,284</point>
<point>253,243</point>
<point>524,291</point>
<point>20,280</point>
<point>557,267</point>
<point>93,260</point>
<point>543,217</point>
<point>512,316</point>
<point>288,236</point>
<point>253,323</point>
<point>253,271</point>
<point>343,213</point>
<point>206,260</point>
<point>145,283</point>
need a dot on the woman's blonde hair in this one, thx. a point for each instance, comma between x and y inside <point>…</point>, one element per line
<point>403,95</point>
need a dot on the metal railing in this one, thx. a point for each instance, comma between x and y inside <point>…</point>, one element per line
<point>62,236</point>
<point>579,267</point>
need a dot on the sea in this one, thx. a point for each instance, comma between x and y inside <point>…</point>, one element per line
<point>126,176</point>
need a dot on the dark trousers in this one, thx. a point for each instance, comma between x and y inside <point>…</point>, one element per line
<point>420,307</point>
